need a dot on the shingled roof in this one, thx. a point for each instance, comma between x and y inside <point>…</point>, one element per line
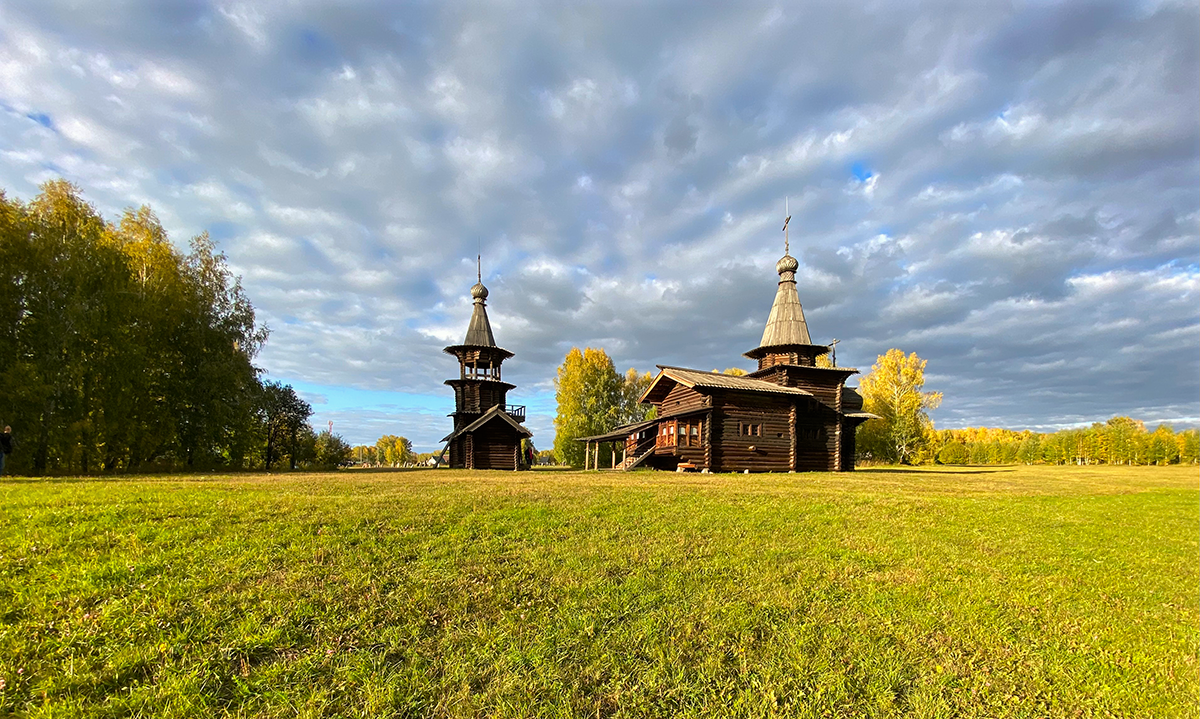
<point>479,332</point>
<point>786,324</point>
<point>694,378</point>
<point>493,413</point>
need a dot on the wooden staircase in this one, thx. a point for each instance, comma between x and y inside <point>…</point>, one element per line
<point>632,461</point>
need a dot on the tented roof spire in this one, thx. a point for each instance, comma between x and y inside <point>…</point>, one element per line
<point>479,332</point>
<point>786,324</point>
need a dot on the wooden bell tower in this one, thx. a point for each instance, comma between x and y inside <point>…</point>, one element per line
<point>487,430</point>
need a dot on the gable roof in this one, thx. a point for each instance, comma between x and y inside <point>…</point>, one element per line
<point>694,378</point>
<point>488,416</point>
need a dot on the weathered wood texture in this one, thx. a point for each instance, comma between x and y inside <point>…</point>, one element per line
<point>478,396</point>
<point>848,448</point>
<point>682,399</point>
<point>753,432</point>
<point>803,357</point>
<point>825,384</point>
<point>496,445</point>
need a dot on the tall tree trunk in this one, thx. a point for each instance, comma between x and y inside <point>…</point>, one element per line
<point>292,454</point>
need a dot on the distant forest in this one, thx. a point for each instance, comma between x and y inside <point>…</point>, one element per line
<point>120,353</point>
<point>1121,440</point>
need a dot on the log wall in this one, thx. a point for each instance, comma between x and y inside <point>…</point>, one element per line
<point>771,442</point>
<point>496,446</point>
<point>478,396</point>
<point>493,446</point>
<point>682,399</point>
<point>848,448</point>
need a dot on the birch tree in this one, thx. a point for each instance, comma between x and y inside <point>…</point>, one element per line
<point>894,390</point>
<point>590,398</point>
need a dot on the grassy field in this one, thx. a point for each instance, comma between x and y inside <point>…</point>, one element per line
<point>966,592</point>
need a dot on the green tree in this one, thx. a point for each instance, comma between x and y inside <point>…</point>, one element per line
<point>633,386</point>
<point>116,350</point>
<point>954,453</point>
<point>1119,438</point>
<point>1030,450</point>
<point>332,450</point>
<point>590,398</point>
<point>893,389</point>
<point>1161,447</point>
<point>284,416</point>
<point>61,266</point>
<point>1188,442</point>
<point>393,450</point>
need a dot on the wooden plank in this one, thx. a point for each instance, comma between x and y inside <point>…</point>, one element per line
<point>682,399</point>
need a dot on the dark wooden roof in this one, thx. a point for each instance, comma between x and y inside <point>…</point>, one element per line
<point>500,352</point>
<point>805,368</point>
<point>699,379</point>
<point>488,416</point>
<point>479,330</point>
<point>620,432</point>
<point>480,380</point>
<point>861,415</point>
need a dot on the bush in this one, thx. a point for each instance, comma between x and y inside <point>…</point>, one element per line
<point>954,453</point>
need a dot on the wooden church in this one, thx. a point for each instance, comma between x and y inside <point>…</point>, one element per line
<point>793,414</point>
<point>487,431</point>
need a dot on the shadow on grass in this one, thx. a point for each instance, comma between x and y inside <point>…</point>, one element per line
<point>57,480</point>
<point>963,470</point>
<point>391,470</point>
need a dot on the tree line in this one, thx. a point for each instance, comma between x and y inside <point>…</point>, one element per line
<point>118,352</point>
<point>593,399</point>
<point>904,433</point>
<point>389,450</point>
<point>1120,441</point>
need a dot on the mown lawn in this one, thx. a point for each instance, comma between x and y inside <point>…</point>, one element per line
<point>988,592</point>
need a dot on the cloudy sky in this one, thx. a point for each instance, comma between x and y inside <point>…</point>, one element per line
<point>1010,190</point>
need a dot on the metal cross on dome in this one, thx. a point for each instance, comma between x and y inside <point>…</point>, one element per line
<point>787,218</point>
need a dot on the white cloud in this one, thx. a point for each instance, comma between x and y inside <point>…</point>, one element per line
<point>1029,220</point>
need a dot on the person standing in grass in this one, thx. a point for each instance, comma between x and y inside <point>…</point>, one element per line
<point>6,445</point>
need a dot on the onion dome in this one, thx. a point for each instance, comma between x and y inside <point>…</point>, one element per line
<point>787,263</point>
<point>479,292</point>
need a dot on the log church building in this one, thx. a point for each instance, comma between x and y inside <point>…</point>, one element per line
<point>793,414</point>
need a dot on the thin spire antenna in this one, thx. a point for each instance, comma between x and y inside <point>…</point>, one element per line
<point>787,217</point>
<point>479,267</point>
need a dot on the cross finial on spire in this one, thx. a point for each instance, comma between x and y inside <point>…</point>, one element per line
<point>786,219</point>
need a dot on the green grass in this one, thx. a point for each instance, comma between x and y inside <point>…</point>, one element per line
<point>968,592</point>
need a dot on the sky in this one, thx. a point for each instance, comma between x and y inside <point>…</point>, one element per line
<point>1011,190</point>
